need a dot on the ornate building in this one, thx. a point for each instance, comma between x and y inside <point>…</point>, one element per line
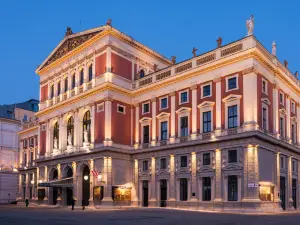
<point>121,124</point>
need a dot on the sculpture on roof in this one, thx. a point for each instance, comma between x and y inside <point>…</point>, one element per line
<point>219,41</point>
<point>68,31</point>
<point>173,60</point>
<point>286,63</point>
<point>194,51</point>
<point>274,48</point>
<point>108,22</point>
<point>250,25</point>
<point>296,74</point>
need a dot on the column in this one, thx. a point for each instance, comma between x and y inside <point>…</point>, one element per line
<point>218,106</point>
<point>48,139</point>
<point>172,186</point>
<point>69,85</point>
<point>277,178</point>
<point>46,189</point>
<point>194,176</point>
<point>218,176</point>
<point>61,134</point>
<point>26,187</point>
<point>85,76</point>
<point>76,130</point>
<point>173,119</point>
<point>93,126</point>
<point>59,194</point>
<point>108,59</point>
<point>20,187</point>
<point>37,181</point>
<point>288,118</point>
<point>107,200</point>
<point>298,124</point>
<point>200,184</point>
<point>75,196</point>
<point>152,201</point>
<point>275,111</point>
<point>92,179</point>
<point>137,126</point>
<point>153,142</point>
<point>289,183</point>
<point>77,72</point>
<point>38,144</point>
<point>108,141</point>
<point>250,101</point>
<point>135,189</point>
<point>94,70</point>
<point>239,187</point>
<point>194,112</point>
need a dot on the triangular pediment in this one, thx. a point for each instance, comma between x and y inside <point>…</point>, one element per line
<point>266,100</point>
<point>163,114</point>
<point>283,111</point>
<point>145,119</point>
<point>69,43</point>
<point>183,109</point>
<point>206,104</point>
<point>233,167</point>
<point>231,98</point>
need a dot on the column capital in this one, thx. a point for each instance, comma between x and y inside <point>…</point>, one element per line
<point>108,98</point>
<point>193,87</point>
<point>217,79</point>
<point>153,99</point>
<point>173,93</point>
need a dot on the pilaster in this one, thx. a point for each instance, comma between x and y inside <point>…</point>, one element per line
<point>194,112</point>
<point>152,201</point>
<point>92,126</point>
<point>137,126</point>
<point>194,176</point>
<point>108,141</point>
<point>218,176</point>
<point>288,118</point>
<point>153,142</point>
<point>135,190</point>
<point>173,119</point>
<point>107,200</point>
<point>218,106</point>
<point>275,112</point>
<point>172,186</point>
<point>92,179</point>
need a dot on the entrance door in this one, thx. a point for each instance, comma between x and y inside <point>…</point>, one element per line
<point>86,186</point>
<point>145,193</point>
<point>55,195</point>
<point>294,192</point>
<point>282,192</point>
<point>69,196</point>
<point>163,193</point>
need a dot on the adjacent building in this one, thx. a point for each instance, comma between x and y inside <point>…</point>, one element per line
<point>120,124</point>
<point>11,119</point>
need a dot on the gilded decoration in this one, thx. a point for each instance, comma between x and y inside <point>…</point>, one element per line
<point>68,46</point>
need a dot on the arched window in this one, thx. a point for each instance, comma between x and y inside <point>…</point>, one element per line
<point>52,92</point>
<point>73,81</point>
<point>66,84</point>
<point>55,135</point>
<point>142,73</point>
<point>90,72</point>
<point>81,77</point>
<point>87,126</point>
<point>58,88</point>
<point>70,130</point>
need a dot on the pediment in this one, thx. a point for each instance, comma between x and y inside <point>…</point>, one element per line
<point>163,114</point>
<point>145,119</point>
<point>231,98</point>
<point>206,104</point>
<point>206,169</point>
<point>283,111</point>
<point>266,100</point>
<point>69,43</point>
<point>183,109</point>
<point>294,118</point>
<point>232,167</point>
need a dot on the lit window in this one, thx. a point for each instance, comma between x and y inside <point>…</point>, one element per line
<point>183,97</point>
<point>232,116</point>
<point>164,103</point>
<point>163,163</point>
<point>146,108</point>
<point>184,126</point>
<point>183,161</point>
<point>206,122</point>
<point>232,83</point>
<point>206,159</point>
<point>232,156</point>
<point>145,165</point>
<point>164,130</point>
<point>206,90</point>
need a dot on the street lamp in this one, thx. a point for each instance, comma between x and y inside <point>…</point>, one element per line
<point>32,182</point>
<point>85,177</point>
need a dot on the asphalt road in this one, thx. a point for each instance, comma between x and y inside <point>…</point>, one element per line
<point>46,216</point>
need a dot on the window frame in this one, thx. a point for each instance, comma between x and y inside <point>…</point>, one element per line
<point>235,197</point>
<point>187,127</point>
<point>210,90</point>
<point>164,131</point>
<point>204,162</point>
<point>236,76</point>
<point>187,96</point>
<point>206,189</point>
<point>208,123</point>
<point>232,117</point>
<point>143,108</point>
<point>281,94</point>
<point>121,106</point>
<point>266,120</point>
<point>143,134</point>
<point>163,161</point>
<point>145,165</point>
<point>160,103</point>
<point>235,159</point>
<point>185,164</point>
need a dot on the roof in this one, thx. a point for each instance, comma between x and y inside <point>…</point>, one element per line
<point>72,42</point>
<point>8,111</point>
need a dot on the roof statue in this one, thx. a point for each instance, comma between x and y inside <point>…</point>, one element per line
<point>108,22</point>
<point>173,58</point>
<point>194,51</point>
<point>286,63</point>
<point>250,25</point>
<point>296,74</point>
<point>219,41</point>
<point>274,48</point>
<point>68,31</point>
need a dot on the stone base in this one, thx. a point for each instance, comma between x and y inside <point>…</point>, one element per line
<point>107,201</point>
<point>171,203</point>
<point>152,203</point>
<point>91,203</point>
<point>135,203</point>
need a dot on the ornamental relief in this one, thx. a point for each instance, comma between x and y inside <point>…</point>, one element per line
<point>180,169</point>
<point>206,168</point>
<point>234,165</point>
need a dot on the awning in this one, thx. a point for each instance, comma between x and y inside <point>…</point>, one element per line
<point>66,182</point>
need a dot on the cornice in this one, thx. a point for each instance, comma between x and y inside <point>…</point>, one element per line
<point>28,130</point>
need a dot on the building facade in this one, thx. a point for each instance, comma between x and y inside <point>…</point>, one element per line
<point>120,124</point>
<point>11,119</point>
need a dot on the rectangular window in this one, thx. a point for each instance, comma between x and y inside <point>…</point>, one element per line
<point>183,161</point>
<point>293,166</point>
<point>206,159</point>
<point>206,189</point>
<point>293,131</point>
<point>25,159</point>
<point>232,188</point>
<point>264,119</point>
<point>281,125</point>
<point>232,156</point>
<point>146,108</point>
<point>90,72</point>
<point>294,192</point>
<point>163,163</point>
<point>58,88</point>
<point>52,92</point>
<point>164,130</point>
<point>31,157</point>
<point>232,83</point>
<point>146,134</point>
<point>164,103</point>
<point>184,126</point>
<point>206,122</point>
<point>206,90</point>
<point>183,189</point>
<point>66,84</point>
<point>232,116</point>
<point>81,80</point>
<point>73,81</point>
<point>281,163</point>
<point>293,107</point>
<point>31,142</point>
<point>25,143</point>
<point>145,165</point>
<point>183,97</point>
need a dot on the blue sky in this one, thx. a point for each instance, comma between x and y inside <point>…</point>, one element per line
<point>31,29</point>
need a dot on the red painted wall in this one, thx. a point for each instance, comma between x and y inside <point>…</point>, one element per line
<point>121,124</point>
<point>44,93</point>
<point>100,126</point>
<point>42,142</point>
<point>121,66</point>
<point>100,65</point>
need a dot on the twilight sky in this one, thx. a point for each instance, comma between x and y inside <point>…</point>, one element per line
<point>31,29</point>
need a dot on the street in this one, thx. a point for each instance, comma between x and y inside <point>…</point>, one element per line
<point>46,216</point>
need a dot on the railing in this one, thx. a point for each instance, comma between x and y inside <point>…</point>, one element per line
<point>50,102</point>
<point>65,96</point>
<point>89,85</point>
<point>72,93</point>
<point>29,125</point>
<point>80,89</point>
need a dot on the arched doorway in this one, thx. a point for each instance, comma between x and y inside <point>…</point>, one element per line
<point>85,185</point>
<point>68,191</point>
<point>54,190</point>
